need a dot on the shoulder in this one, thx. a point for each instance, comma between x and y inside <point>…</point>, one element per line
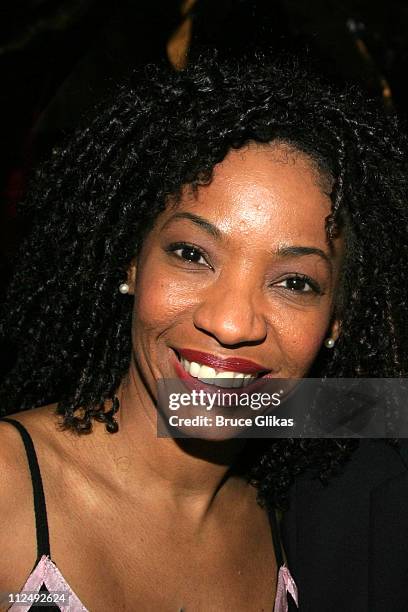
<point>15,505</point>
<point>12,465</point>
<point>54,448</point>
<point>41,425</point>
<point>17,518</point>
<point>13,457</point>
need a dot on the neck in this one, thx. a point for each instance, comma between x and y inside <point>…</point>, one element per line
<point>189,472</point>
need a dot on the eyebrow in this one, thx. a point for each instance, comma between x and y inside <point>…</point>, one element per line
<point>301,251</point>
<point>282,251</point>
<point>203,223</point>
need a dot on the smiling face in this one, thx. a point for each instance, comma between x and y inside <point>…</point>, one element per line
<point>240,269</point>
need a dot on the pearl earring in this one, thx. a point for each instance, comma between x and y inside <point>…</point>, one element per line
<point>329,343</point>
<point>124,288</point>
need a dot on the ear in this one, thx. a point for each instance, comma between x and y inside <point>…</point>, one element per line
<point>131,276</point>
<point>335,329</point>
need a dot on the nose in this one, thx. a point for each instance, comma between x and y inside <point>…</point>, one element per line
<point>232,313</point>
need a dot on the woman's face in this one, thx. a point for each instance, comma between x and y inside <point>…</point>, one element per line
<point>240,269</point>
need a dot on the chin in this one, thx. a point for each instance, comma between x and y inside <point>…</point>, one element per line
<point>200,431</point>
<point>218,423</point>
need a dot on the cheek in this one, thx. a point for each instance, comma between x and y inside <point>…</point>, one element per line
<point>159,301</point>
<point>300,338</point>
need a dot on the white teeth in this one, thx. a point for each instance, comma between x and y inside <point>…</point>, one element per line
<point>247,379</point>
<point>206,372</point>
<point>224,379</point>
<point>238,379</point>
<point>194,369</point>
<point>211,376</point>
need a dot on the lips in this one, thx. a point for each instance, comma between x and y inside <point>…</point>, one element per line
<point>244,383</point>
<point>230,364</point>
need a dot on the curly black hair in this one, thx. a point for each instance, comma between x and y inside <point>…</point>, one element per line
<point>94,201</point>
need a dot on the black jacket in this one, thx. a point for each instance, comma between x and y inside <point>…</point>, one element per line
<point>347,542</point>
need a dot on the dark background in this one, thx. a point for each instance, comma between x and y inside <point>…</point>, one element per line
<point>58,57</point>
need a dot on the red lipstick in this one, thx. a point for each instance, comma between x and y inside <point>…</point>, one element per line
<point>230,364</point>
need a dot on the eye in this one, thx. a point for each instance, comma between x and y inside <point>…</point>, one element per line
<point>188,253</point>
<point>300,284</point>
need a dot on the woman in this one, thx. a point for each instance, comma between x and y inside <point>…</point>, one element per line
<point>228,216</point>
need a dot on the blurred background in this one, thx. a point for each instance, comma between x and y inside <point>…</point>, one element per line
<point>58,57</point>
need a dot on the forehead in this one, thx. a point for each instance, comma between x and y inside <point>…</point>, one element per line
<point>270,189</point>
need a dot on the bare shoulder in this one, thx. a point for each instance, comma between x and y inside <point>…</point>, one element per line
<point>42,426</point>
<point>12,454</point>
<point>17,519</point>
